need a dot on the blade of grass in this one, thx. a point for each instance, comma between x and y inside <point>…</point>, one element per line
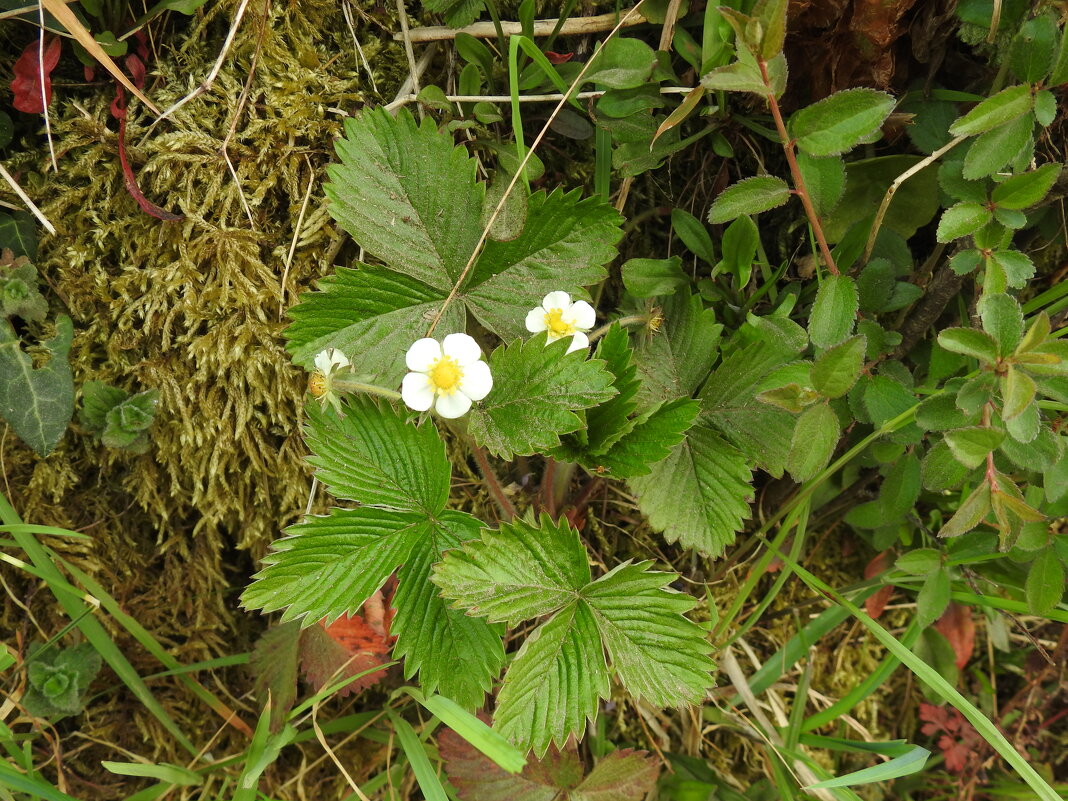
<point>904,765</point>
<point>171,774</point>
<point>152,645</point>
<point>19,782</point>
<point>425,776</point>
<point>473,730</point>
<point>90,627</point>
<point>262,752</point>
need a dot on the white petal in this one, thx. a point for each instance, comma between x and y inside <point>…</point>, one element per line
<point>322,361</point>
<point>578,342</point>
<point>422,354</point>
<point>556,300</point>
<point>454,405</point>
<point>338,358</point>
<point>477,381</point>
<point>462,348</point>
<point>416,391</point>
<point>536,320</point>
<point>581,315</point>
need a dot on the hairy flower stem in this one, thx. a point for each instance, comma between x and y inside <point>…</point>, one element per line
<point>493,484</point>
<point>795,171</point>
<point>349,385</point>
<point>634,321</point>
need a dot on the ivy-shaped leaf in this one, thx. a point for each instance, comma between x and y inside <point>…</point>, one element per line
<point>37,402</point>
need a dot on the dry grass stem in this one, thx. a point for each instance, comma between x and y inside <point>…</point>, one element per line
<point>574,26</point>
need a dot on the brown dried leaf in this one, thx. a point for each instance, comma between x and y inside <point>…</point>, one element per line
<point>876,603</point>
<point>958,626</point>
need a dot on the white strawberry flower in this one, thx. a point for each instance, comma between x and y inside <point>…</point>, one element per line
<point>328,363</point>
<point>560,318</point>
<point>448,375</point>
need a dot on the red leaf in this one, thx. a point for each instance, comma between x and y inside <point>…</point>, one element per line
<point>348,646</point>
<point>957,626</point>
<point>876,603</point>
<point>956,753</point>
<point>621,776</point>
<point>558,58</point>
<point>28,73</point>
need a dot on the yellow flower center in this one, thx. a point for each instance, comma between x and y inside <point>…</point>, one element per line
<point>557,325</point>
<point>318,384</point>
<point>445,375</point>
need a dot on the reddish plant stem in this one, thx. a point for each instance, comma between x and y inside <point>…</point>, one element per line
<point>548,487</point>
<point>795,171</point>
<point>493,484</point>
<point>582,500</point>
<point>991,472</point>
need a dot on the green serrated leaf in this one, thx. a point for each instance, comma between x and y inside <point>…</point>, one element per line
<point>537,390</point>
<point>736,77</point>
<point>37,402</point>
<point>1025,190</point>
<point>1015,267</point>
<point>933,598</point>
<point>658,654</point>
<point>825,180</point>
<point>1008,104</point>
<point>651,439</point>
<point>995,148</point>
<point>970,342</point>
<point>456,655</point>
<point>555,682</point>
<point>372,315</point>
<point>517,572</point>
<point>749,196</point>
<point>97,400</point>
<point>961,220</point>
<point>647,278</point>
<point>835,311</point>
<point>374,456</point>
<point>969,514</point>
<point>813,443</point>
<point>675,361</point>
<point>328,566</point>
<point>941,413</point>
<point>1017,391</point>
<point>407,194</point>
<point>837,369</point>
<point>838,123</point>
<point>698,496</point>
<point>971,445</point>
<point>1032,49</point>
<point>1044,587</point>
<point>1003,320</point>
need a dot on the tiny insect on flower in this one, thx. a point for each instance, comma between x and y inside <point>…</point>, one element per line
<point>560,318</point>
<point>448,375</point>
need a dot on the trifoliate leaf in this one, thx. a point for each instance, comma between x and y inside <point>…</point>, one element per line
<point>516,573</point>
<point>834,314</point>
<point>407,195</point>
<point>749,196</point>
<point>555,683</point>
<point>838,123</point>
<point>37,402</point>
<point>699,495</point>
<point>658,654</point>
<point>651,439</point>
<point>374,456</point>
<point>537,390</point>
<point>454,654</point>
<point>675,360</point>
